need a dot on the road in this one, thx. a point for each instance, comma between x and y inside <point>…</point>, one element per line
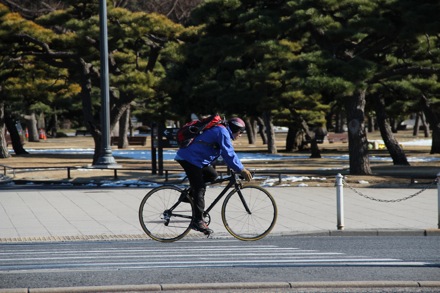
<point>273,259</point>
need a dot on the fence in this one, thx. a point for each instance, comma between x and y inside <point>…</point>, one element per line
<point>116,170</point>
<point>340,199</point>
<point>69,169</point>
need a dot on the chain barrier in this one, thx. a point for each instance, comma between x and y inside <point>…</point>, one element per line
<point>389,200</point>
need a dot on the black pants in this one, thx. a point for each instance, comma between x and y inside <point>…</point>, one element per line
<point>197,179</point>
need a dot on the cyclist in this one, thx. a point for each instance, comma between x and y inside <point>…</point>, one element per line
<point>197,159</point>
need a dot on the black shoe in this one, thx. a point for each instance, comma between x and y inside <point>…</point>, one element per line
<point>201,226</point>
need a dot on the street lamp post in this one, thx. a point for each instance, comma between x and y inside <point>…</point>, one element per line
<point>106,158</point>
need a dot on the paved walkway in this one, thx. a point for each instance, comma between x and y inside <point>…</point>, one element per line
<point>112,213</point>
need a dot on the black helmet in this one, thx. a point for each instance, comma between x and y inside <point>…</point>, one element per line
<point>236,125</point>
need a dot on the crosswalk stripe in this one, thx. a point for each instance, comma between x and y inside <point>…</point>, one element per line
<point>180,257</point>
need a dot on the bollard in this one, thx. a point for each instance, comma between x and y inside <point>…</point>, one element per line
<point>340,201</point>
<point>438,199</point>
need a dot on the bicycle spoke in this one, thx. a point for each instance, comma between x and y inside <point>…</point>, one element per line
<point>254,225</point>
<point>156,218</point>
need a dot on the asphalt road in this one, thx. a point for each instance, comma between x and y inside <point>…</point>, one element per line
<point>271,260</point>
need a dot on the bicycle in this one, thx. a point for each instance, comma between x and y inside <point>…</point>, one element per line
<point>248,213</point>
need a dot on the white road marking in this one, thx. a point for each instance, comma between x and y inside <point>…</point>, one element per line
<point>53,259</point>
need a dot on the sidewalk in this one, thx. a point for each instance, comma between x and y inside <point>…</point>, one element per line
<point>48,214</point>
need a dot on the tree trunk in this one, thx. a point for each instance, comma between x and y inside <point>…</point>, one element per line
<point>396,152</point>
<point>123,129</point>
<point>117,110</point>
<point>86,99</point>
<point>425,125</point>
<point>339,121</point>
<point>262,130</point>
<point>53,125</point>
<point>41,121</point>
<point>31,123</point>
<point>250,130</point>
<point>357,138</point>
<point>271,147</point>
<point>130,125</point>
<point>394,125</point>
<point>315,152</point>
<point>3,146</point>
<point>370,124</point>
<point>15,136</point>
<point>290,139</point>
<point>416,125</point>
<point>435,148</point>
<point>433,119</point>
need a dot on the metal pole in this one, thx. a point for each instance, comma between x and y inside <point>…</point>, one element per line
<point>106,157</point>
<point>153,148</point>
<point>438,199</point>
<point>340,201</point>
<point>160,148</point>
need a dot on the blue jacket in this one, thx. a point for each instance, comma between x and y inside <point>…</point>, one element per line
<point>208,146</point>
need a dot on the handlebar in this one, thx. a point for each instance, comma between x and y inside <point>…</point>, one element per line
<point>223,179</point>
<point>231,177</point>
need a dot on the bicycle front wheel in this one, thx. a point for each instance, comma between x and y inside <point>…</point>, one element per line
<point>249,213</point>
<point>162,217</point>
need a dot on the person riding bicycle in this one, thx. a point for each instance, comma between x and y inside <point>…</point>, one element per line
<point>197,159</point>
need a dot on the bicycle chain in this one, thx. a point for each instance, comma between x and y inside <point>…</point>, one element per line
<point>389,200</point>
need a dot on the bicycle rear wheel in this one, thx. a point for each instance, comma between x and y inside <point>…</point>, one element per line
<point>255,221</point>
<point>162,217</point>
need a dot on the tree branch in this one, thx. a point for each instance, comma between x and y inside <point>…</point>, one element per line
<point>403,71</point>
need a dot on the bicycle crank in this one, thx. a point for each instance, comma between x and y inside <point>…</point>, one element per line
<point>207,218</point>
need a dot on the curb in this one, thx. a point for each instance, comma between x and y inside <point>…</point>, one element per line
<point>125,237</point>
<point>232,286</point>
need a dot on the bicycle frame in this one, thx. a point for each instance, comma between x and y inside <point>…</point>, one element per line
<point>232,183</point>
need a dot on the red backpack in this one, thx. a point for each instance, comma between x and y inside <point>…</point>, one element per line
<point>188,132</point>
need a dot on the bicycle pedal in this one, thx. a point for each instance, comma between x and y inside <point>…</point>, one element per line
<point>208,233</point>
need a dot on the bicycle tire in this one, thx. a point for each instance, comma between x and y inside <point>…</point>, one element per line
<point>152,214</point>
<point>256,225</point>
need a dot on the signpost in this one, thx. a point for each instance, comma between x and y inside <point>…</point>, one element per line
<point>170,135</point>
<point>161,138</point>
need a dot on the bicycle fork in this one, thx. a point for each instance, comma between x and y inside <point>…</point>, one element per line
<point>240,195</point>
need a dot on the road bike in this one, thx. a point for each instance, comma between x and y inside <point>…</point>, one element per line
<point>248,212</point>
